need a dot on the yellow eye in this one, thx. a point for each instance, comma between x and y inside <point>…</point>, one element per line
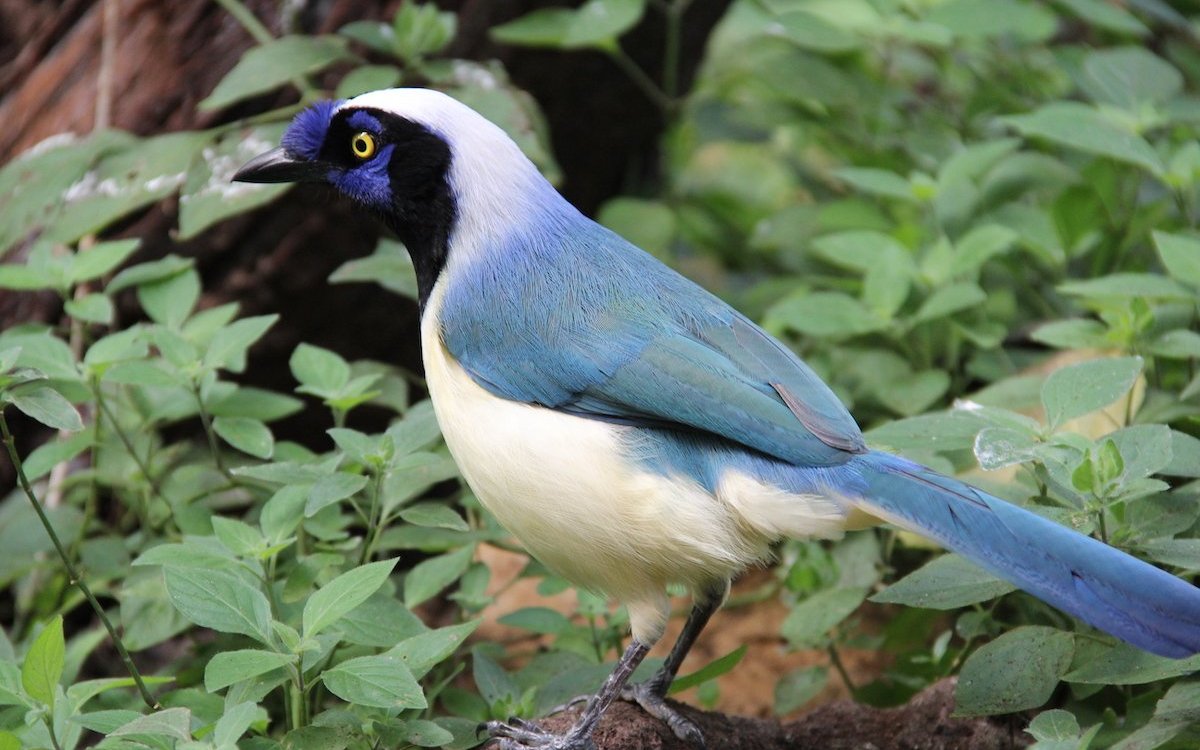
<point>363,145</point>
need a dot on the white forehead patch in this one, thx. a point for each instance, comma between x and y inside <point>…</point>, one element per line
<point>495,186</point>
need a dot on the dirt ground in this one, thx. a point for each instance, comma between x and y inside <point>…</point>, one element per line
<point>742,716</point>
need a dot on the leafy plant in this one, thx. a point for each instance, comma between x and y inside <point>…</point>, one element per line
<point>975,218</point>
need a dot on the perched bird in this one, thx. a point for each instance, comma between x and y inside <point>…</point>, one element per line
<point>631,429</point>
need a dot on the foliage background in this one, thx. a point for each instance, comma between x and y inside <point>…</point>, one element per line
<point>981,204</point>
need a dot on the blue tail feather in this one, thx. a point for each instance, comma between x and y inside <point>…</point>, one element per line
<point>1099,584</point>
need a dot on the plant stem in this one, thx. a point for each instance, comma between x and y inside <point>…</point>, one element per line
<point>76,579</point>
<point>642,81</point>
<point>206,422</point>
<point>670,76</point>
<point>142,465</point>
<point>50,728</point>
<point>249,22</point>
<point>836,659</point>
<point>373,520</point>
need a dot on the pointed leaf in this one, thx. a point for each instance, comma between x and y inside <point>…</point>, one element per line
<point>335,599</point>
<point>43,666</point>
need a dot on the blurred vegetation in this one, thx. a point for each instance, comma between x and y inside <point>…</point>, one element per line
<point>975,218</point>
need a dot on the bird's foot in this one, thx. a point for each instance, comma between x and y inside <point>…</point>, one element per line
<point>518,734</point>
<point>651,696</point>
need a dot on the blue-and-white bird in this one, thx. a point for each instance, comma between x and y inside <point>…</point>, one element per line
<point>631,429</point>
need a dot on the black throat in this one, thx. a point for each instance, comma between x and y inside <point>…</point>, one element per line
<point>423,211</point>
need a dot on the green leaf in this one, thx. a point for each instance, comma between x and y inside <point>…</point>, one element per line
<point>367,77</point>
<point>1106,15</point>
<point>1185,456</point>
<point>797,688</point>
<point>978,246</point>
<point>358,446</point>
<point>24,278</point>
<point>420,30</point>
<point>1128,77</point>
<point>1076,390</point>
<point>43,458</point>
<point>234,722</point>
<point>825,314</point>
<point>1072,333</point>
<point>1053,725</point>
<point>319,369</point>
<point>422,652</point>
<point>381,681</point>
<point>1082,128</point>
<point>247,435</point>
<point>948,300</point>
<point>219,600</point>
<point>597,24</point>
<point>650,225</point>
<point>47,406</point>
<point>423,733</point>
<point>9,741</point>
<point>273,64</point>
<point>333,600</point>
<point>91,308</point>
<point>43,666</point>
<point>428,577</point>
<point>1124,664</point>
<point>1173,714</point>
<point>240,538</point>
<point>209,194</point>
<point>915,392</point>
<point>980,19</point>
<point>389,266</point>
<point>330,489</point>
<point>145,273</point>
<point>948,581</point>
<point>809,622</point>
<point>537,620</point>
<point>1017,671</point>
<point>1128,285</point>
<point>496,686</point>
<point>870,180</point>
<point>437,515</point>
<point>100,259</point>
<point>171,722</point>
<point>1180,255</point>
<point>229,344</point>
<point>170,300</point>
<point>228,667</point>
<point>255,403</point>
<point>144,373</point>
<point>710,671</point>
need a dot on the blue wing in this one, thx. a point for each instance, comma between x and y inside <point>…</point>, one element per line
<point>583,322</point>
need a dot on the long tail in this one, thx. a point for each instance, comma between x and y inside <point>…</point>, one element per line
<point>1100,585</point>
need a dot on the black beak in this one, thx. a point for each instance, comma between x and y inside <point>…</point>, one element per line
<point>278,165</point>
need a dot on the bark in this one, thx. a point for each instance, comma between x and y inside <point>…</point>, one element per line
<point>925,723</point>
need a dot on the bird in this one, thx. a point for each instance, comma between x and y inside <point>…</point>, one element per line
<point>634,431</point>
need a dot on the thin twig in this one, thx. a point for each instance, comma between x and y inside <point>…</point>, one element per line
<point>836,658</point>
<point>76,579</point>
<point>641,80</point>
<point>249,22</point>
<point>206,422</point>
<point>112,419</point>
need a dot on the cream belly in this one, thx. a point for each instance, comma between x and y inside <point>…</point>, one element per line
<point>562,486</point>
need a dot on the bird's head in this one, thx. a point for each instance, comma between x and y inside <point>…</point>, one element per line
<point>431,167</point>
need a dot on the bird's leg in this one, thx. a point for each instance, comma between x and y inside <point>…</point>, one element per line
<point>651,694</point>
<point>516,734</point>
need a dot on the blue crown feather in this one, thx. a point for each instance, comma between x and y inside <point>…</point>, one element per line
<point>306,134</point>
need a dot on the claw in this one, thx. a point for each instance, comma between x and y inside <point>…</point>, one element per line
<point>650,696</point>
<point>519,734</point>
